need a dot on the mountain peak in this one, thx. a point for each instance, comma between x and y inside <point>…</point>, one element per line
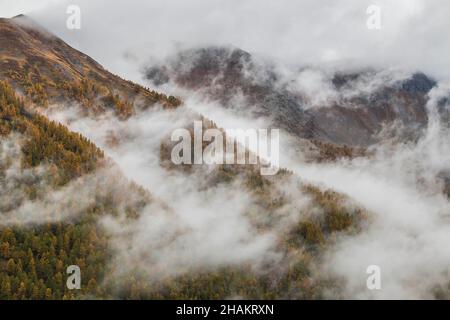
<point>26,22</point>
<point>19,16</point>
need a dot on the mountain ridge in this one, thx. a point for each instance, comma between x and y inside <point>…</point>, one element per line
<point>48,71</point>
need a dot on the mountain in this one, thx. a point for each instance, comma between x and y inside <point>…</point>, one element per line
<point>55,184</point>
<point>46,70</point>
<point>60,193</point>
<point>191,231</point>
<point>362,104</point>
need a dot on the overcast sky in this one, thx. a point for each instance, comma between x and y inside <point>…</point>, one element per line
<point>123,34</point>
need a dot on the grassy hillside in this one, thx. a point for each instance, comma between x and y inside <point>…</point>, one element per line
<point>45,70</point>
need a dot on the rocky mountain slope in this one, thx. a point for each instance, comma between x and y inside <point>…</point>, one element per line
<point>359,105</point>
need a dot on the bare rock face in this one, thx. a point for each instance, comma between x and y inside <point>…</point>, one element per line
<point>355,117</point>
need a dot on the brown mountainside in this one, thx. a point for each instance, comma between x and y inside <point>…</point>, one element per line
<point>46,70</point>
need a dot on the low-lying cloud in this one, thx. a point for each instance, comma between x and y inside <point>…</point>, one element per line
<point>202,226</point>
